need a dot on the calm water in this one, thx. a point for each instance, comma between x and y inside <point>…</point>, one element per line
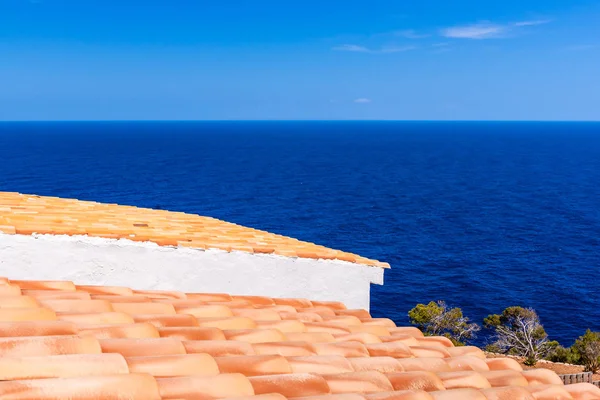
<point>483,215</point>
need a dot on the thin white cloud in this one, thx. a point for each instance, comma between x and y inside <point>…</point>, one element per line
<point>396,49</point>
<point>362,100</point>
<point>383,50</point>
<point>441,44</point>
<point>488,30</point>
<point>411,34</point>
<point>475,31</point>
<point>533,22</point>
<point>582,47</point>
<point>352,48</point>
<point>441,50</point>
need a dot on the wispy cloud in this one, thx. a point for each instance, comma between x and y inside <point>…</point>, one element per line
<point>441,44</point>
<point>363,100</point>
<point>351,47</point>
<point>396,49</point>
<point>533,22</point>
<point>383,50</point>
<point>481,30</point>
<point>488,30</point>
<point>411,34</point>
<point>582,47</point>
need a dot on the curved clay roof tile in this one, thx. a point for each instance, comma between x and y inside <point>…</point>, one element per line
<point>96,318</point>
<point>124,386</point>
<point>505,378</point>
<point>467,363</point>
<point>174,365</point>
<point>464,379</point>
<point>164,320</point>
<point>54,294</point>
<point>111,290</point>
<point>290,385</point>
<point>320,364</point>
<point>549,392</point>
<point>219,348</point>
<point>32,346</point>
<point>205,387</point>
<point>61,366</point>
<point>541,376</point>
<point>400,395</point>
<point>417,380</point>
<point>345,349</point>
<point>77,306</point>
<point>358,382</point>
<point>384,365</point>
<point>120,331</point>
<point>204,311</point>
<point>144,308</point>
<point>45,285</point>
<point>255,335</point>
<point>226,323</point>
<point>143,347</point>
<point>26,314</point>
<point>37,328</point>
<point>424,364</point>
<point>286,349</point>
<point>257,365</point>
<point>512,393</point>
<point>192,333</point>
<point>460,394</point>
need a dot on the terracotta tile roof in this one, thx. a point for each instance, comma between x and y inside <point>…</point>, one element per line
<point>28,214</point>
<point>60,340</point>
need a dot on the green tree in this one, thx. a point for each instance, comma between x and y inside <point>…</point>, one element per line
<point>518,331</point>
<point>437,319</point>
<point>587,349</point>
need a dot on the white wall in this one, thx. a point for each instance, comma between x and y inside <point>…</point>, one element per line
<point>86,260</point>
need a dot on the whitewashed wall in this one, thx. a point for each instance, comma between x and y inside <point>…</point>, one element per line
<point>86,260</point>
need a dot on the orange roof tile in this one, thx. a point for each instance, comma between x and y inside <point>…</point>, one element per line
<point>91,352</point>
<point>29,214</point>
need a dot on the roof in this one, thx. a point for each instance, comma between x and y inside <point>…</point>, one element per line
<point>28,214</point>
<point>61,340</point>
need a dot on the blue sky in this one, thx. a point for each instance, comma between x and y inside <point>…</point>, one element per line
<point>274,59</point>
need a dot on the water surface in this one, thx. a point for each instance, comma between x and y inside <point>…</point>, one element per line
<point>482,215</point>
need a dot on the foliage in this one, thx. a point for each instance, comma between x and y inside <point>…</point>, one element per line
<point>563,355</point>
<point>437,319</point>
<point>518,331</point>
<point>587,348</point>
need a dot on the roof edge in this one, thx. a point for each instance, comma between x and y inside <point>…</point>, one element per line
<point>27,214</point>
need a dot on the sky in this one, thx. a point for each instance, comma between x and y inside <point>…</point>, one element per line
<point>308,60</point>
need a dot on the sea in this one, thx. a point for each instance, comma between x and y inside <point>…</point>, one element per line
<point>482,215</point>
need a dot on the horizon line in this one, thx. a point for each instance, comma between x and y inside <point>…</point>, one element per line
<point>300,120</point>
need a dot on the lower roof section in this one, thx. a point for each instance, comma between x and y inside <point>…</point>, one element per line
<point>29,214</point>
<point>64,340</point>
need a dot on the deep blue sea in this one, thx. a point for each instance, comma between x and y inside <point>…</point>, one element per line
<point>483,215</point>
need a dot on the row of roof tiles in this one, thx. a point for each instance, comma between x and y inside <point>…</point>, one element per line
<point>28,214</point>
<point>60,340</point>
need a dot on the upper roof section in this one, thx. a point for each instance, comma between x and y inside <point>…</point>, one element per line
<point>28,214</point>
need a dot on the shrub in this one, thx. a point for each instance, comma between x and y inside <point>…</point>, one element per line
<point>437,319</point>
<point>587,348</point>
<point>563,355</point>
